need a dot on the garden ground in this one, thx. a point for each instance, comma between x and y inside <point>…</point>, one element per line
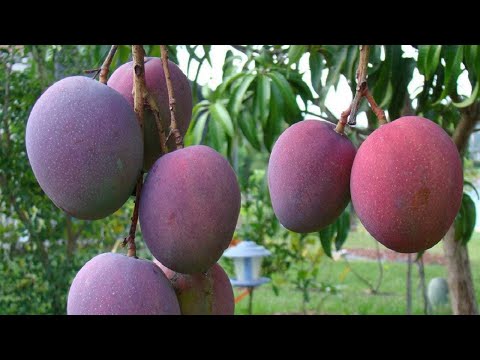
<point>349,294</point>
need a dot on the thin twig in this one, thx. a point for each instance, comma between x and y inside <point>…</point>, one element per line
<point>91,71</point>
<point>171,99</point>
<point>380,266</point>
<point>130,239</point>
<point>360,277</point>
<point>152,103</point>
<point>409,284</point>
<point>106,64</point>
<point>378,111</point>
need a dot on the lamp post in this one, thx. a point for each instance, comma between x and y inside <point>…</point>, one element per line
<point>247,260</point>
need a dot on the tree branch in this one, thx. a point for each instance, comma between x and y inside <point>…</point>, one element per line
<point>470,115</point>
<point>139,88</point>
<point>106,64</point>
<point>171,99</point>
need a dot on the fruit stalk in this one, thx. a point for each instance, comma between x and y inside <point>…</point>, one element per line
<point>361,86</point>
<point>171,99</point>
<point>152,103</point>
<point>361,91</point>
<point>130,239</point>
<point>378,111</point>
<point>104,70</point>
<point>139,95</point>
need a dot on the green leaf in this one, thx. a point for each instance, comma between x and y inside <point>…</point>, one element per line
<point>275,117</point>
<point>199,127</point>
<point>295,52</point>
<point>453,55</point>
<point>326,240</point>
<point>419,255</point>
<point>468,183</point>
<point>465,220</point>
<point>206,49</point>
<point>262,98</point>
<point>316,67</point>
<point>343,227</point>
<point>469,218</point>
<point>221,116</point>
<point>471,99</point>
<point>291,109</point>
<point>216,136</point>
<point>428,59</point>
<point>249,130</point>
<point>229,81</point>
<point>237,97</point>
<point>471,55</point>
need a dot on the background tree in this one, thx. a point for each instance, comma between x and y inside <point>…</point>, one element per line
<point>241,118</point>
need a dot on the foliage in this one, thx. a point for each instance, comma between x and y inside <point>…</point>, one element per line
<point>262,93</point>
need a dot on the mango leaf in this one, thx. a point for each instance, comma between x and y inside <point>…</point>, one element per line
<point>350,66</point>
<point>419,255</point>
<point>262,98</point>
<point>470,218</point>
<point>471,99</point>
<point>465,220</point>
<point>199,127</point>
<point>229,81</point>
<point>295,52</point>
<point>326,235</point>
<point>468,183</point>
<point>471,55</point>
<point>275,117</point>
<point>402,73</point>
<point>428,59</point>
<point>316,67</point>
<point>221,116</point>
<point>453,55</point>
<point>206,50</point>
<point>343,227</point>
<point>249,130</point>
<point>216,136</point>
<point>335,69</point>
<point>237,97</point>
<point>291,108</point>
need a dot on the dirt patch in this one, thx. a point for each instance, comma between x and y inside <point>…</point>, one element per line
<point>390,255</point>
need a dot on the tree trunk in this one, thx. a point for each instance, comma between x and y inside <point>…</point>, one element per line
<point>462,294</point>
<point>460,282</point>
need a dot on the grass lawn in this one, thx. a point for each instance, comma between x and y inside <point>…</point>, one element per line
<point>352,296</point>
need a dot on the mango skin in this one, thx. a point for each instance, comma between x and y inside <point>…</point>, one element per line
<point>115,284</point>
<point>85,147</point>
<point>309,175</point>
<point>122,81</point>
<point>407,184</point>
<point>208,293</point>
<point>189,208</point>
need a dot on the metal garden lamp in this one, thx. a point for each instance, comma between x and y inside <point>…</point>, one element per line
<point>247,260</point>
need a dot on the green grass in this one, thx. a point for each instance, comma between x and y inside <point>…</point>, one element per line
<point>352,296</point>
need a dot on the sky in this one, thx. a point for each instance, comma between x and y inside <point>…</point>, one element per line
<point>337,101</point>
